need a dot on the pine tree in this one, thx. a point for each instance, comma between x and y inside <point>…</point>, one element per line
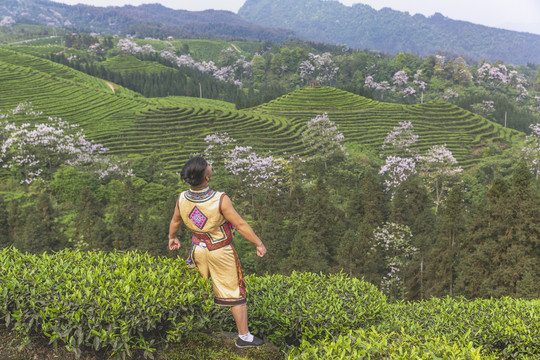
<point>444,254</point>
<point>353,254</point>
<point>314,246</point>
<point>90,229</point>
<point>5,238</point>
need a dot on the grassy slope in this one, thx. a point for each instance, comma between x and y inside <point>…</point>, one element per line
<point>132,125</point>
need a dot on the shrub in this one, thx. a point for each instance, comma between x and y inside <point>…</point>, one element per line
<point>371,344</point>
<point>308,306</point>
<point>113,301</point>
<point>507,328</point>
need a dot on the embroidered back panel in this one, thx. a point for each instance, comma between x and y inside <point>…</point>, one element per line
<point>201,213</point>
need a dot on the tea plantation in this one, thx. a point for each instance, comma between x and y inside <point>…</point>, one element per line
<point>131,125</point>
<point>118,303</point>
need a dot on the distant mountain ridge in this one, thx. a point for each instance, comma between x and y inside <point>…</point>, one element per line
<point>151,20</point>
<point>361,26</point>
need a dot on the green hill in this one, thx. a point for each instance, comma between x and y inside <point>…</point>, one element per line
<point>131,125</point>
<point>367,122</point>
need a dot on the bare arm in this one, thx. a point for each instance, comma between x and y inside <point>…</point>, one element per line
<point>176,222</point>
<point>241,225</point>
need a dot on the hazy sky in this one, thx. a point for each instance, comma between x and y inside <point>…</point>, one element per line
<point>521,15</point>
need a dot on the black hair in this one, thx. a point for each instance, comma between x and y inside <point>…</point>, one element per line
<point>194,170</point>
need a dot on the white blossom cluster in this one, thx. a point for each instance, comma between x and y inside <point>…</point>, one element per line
<point>497,75</point>
<point>225,73</point>
<point>382,86</point>
<point>32,148</point>
<point>318,67</point>
<point>395,242</point>
<point>400,84</point>
<point>437,165</point>
<point>7,21</point>
<point>532,149</point>
<point>450,94</point>
<point>255,171</point>
<point>402,137</point>
<point>95,48</point>
<point>322,137</point>
<point>398,170</point>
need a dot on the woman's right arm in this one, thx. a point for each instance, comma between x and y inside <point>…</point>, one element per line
<point>174,226</point>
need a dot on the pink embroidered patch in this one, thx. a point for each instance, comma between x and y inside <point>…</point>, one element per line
<point>198,218</point>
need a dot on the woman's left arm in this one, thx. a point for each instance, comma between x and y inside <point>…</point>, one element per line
<point>241,225</point>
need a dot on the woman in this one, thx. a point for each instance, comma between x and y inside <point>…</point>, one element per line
<point>211,218</point>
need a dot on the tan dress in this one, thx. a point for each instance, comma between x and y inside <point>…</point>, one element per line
<point>212,249</point>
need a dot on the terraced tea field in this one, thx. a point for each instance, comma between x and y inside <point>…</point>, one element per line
<point>95,110</point>
<point>130,64</point>
<point>367,122</point>
<point>131,125</point>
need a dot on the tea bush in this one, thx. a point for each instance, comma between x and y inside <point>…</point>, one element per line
<point>507,328</point>
<point>308,306</point>
<point>113,301</point>
<point>371,344</point>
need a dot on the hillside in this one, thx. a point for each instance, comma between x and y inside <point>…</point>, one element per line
<point>151,20</point>
<point>361,26</point>
<point>129,124</point>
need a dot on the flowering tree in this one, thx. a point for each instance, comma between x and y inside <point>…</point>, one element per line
<point>485,108</point>
<point>219,144</point>
<point>394,241</point>
<point>323,138</point>
<point>35,151</point>
<point>532,149</point>
<point>381,87</point>
<point>450,94</point>
<point>398,169</point>
<point>401,138</point>
<point>402,164</point>
<point>500,75</point>
<point>225,73</point>
<point>319,67</point>
<point>129,47</point>
<point>420,84</point>
<point>7,21</point>
<point>95,48</point>
<point>437,167</point>
<point>255,172</point>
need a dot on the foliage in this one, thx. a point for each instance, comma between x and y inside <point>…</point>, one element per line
<point>448,328</point>
<point>309,306</point>
<point>113,301</point>
<point>371,344</point>
<point>504,328</point>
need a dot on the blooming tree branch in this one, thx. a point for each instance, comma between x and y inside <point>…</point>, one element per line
<point>394,241</point>
<point>322,137</point>
<point>437,167</point>
<point>532,149</point>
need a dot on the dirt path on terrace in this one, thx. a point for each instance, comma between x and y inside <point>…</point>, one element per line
<point>110,85</point>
